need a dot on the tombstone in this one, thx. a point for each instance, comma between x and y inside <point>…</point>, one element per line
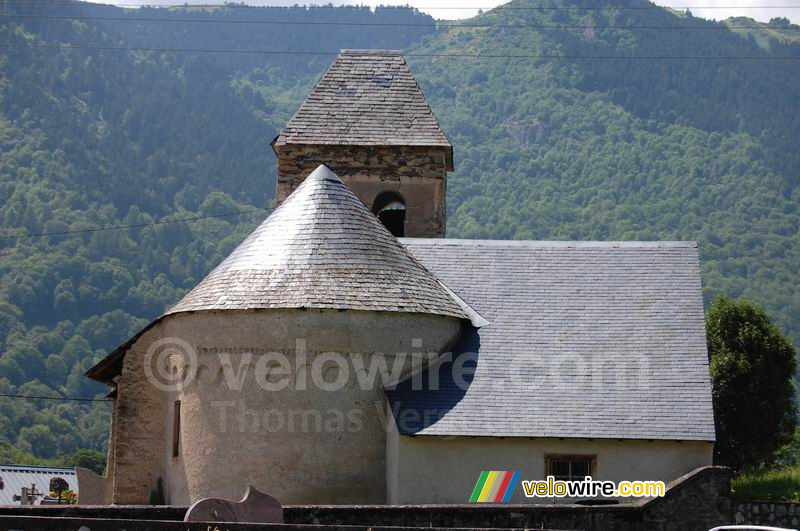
<point>255,507</point>
<point>92,487</point>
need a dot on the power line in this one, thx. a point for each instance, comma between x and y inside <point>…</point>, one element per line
<point>134,226</point>
<point>414,54</point>
<point>502,7</point>
<point>390,24</point>
<point>59,398</point>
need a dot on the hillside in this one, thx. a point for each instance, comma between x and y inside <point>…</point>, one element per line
<point>776,30</point>
<point>671,145</point>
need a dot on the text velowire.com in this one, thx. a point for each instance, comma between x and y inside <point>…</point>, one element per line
<point>590,488</point>
<point>499,486</point>
<point>171,364</point>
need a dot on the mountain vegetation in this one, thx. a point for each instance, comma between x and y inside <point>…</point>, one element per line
<point>577,123</point>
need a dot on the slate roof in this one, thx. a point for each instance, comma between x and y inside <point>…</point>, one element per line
<point>366,97</point>
<point>321,248</point>
<point>14,477</point>
<point>585,339</point>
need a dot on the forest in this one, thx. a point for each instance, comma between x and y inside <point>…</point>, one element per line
<point>573,123</point>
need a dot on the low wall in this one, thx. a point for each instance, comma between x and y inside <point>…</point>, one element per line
<point>37,523</point>
<point>699,500</point>
<point>768,513</point>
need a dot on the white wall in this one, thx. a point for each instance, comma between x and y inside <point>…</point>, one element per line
<point>444,470</point>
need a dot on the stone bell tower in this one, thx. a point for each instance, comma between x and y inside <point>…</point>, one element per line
<point>368,120</point>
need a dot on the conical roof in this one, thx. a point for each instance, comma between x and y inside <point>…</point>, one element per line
<point>322,248</point>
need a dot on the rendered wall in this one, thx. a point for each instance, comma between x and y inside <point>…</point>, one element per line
<point>417,174</point>
<point>307,445</point>
<point>444,470</point>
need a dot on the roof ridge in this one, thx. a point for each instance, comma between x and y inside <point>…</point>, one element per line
<point>556,244</point>
<point>369,51</point>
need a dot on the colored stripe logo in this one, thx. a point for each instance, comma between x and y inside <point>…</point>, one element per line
<point>495,486</point>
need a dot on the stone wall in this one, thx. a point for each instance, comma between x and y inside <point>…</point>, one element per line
<point>768,513</point>
<point>137,448</point>
<point>72,524</point>
<point>699,500</point>
<point>418,174</point>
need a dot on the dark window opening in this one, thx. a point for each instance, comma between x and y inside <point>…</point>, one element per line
<point>394,220</point>
<point>391,211</point>
<point>176,429</point>
<point>570,467</point>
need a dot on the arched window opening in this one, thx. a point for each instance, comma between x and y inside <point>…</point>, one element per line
<point>391,211</point>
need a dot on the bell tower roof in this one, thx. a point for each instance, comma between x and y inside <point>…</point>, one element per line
<point>366,98</point>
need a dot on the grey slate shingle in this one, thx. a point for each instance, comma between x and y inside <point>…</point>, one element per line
<point>366,97</point>
<point>562,315</point>
<point>322,248</point>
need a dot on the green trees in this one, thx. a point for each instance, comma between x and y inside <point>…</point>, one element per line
<point>90,459</point>
<point>752,365</point>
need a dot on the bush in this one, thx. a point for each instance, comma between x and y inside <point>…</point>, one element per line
<point>768,485</point>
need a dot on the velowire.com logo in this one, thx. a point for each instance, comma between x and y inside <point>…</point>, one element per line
<point>495,486</point>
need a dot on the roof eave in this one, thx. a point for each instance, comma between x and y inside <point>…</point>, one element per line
<point>283,140</point>
<point>107,369</point>
<point>448,158</point>
<point>467,435</point>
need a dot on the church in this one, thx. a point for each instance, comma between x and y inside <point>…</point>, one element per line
<point>346,352</point>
